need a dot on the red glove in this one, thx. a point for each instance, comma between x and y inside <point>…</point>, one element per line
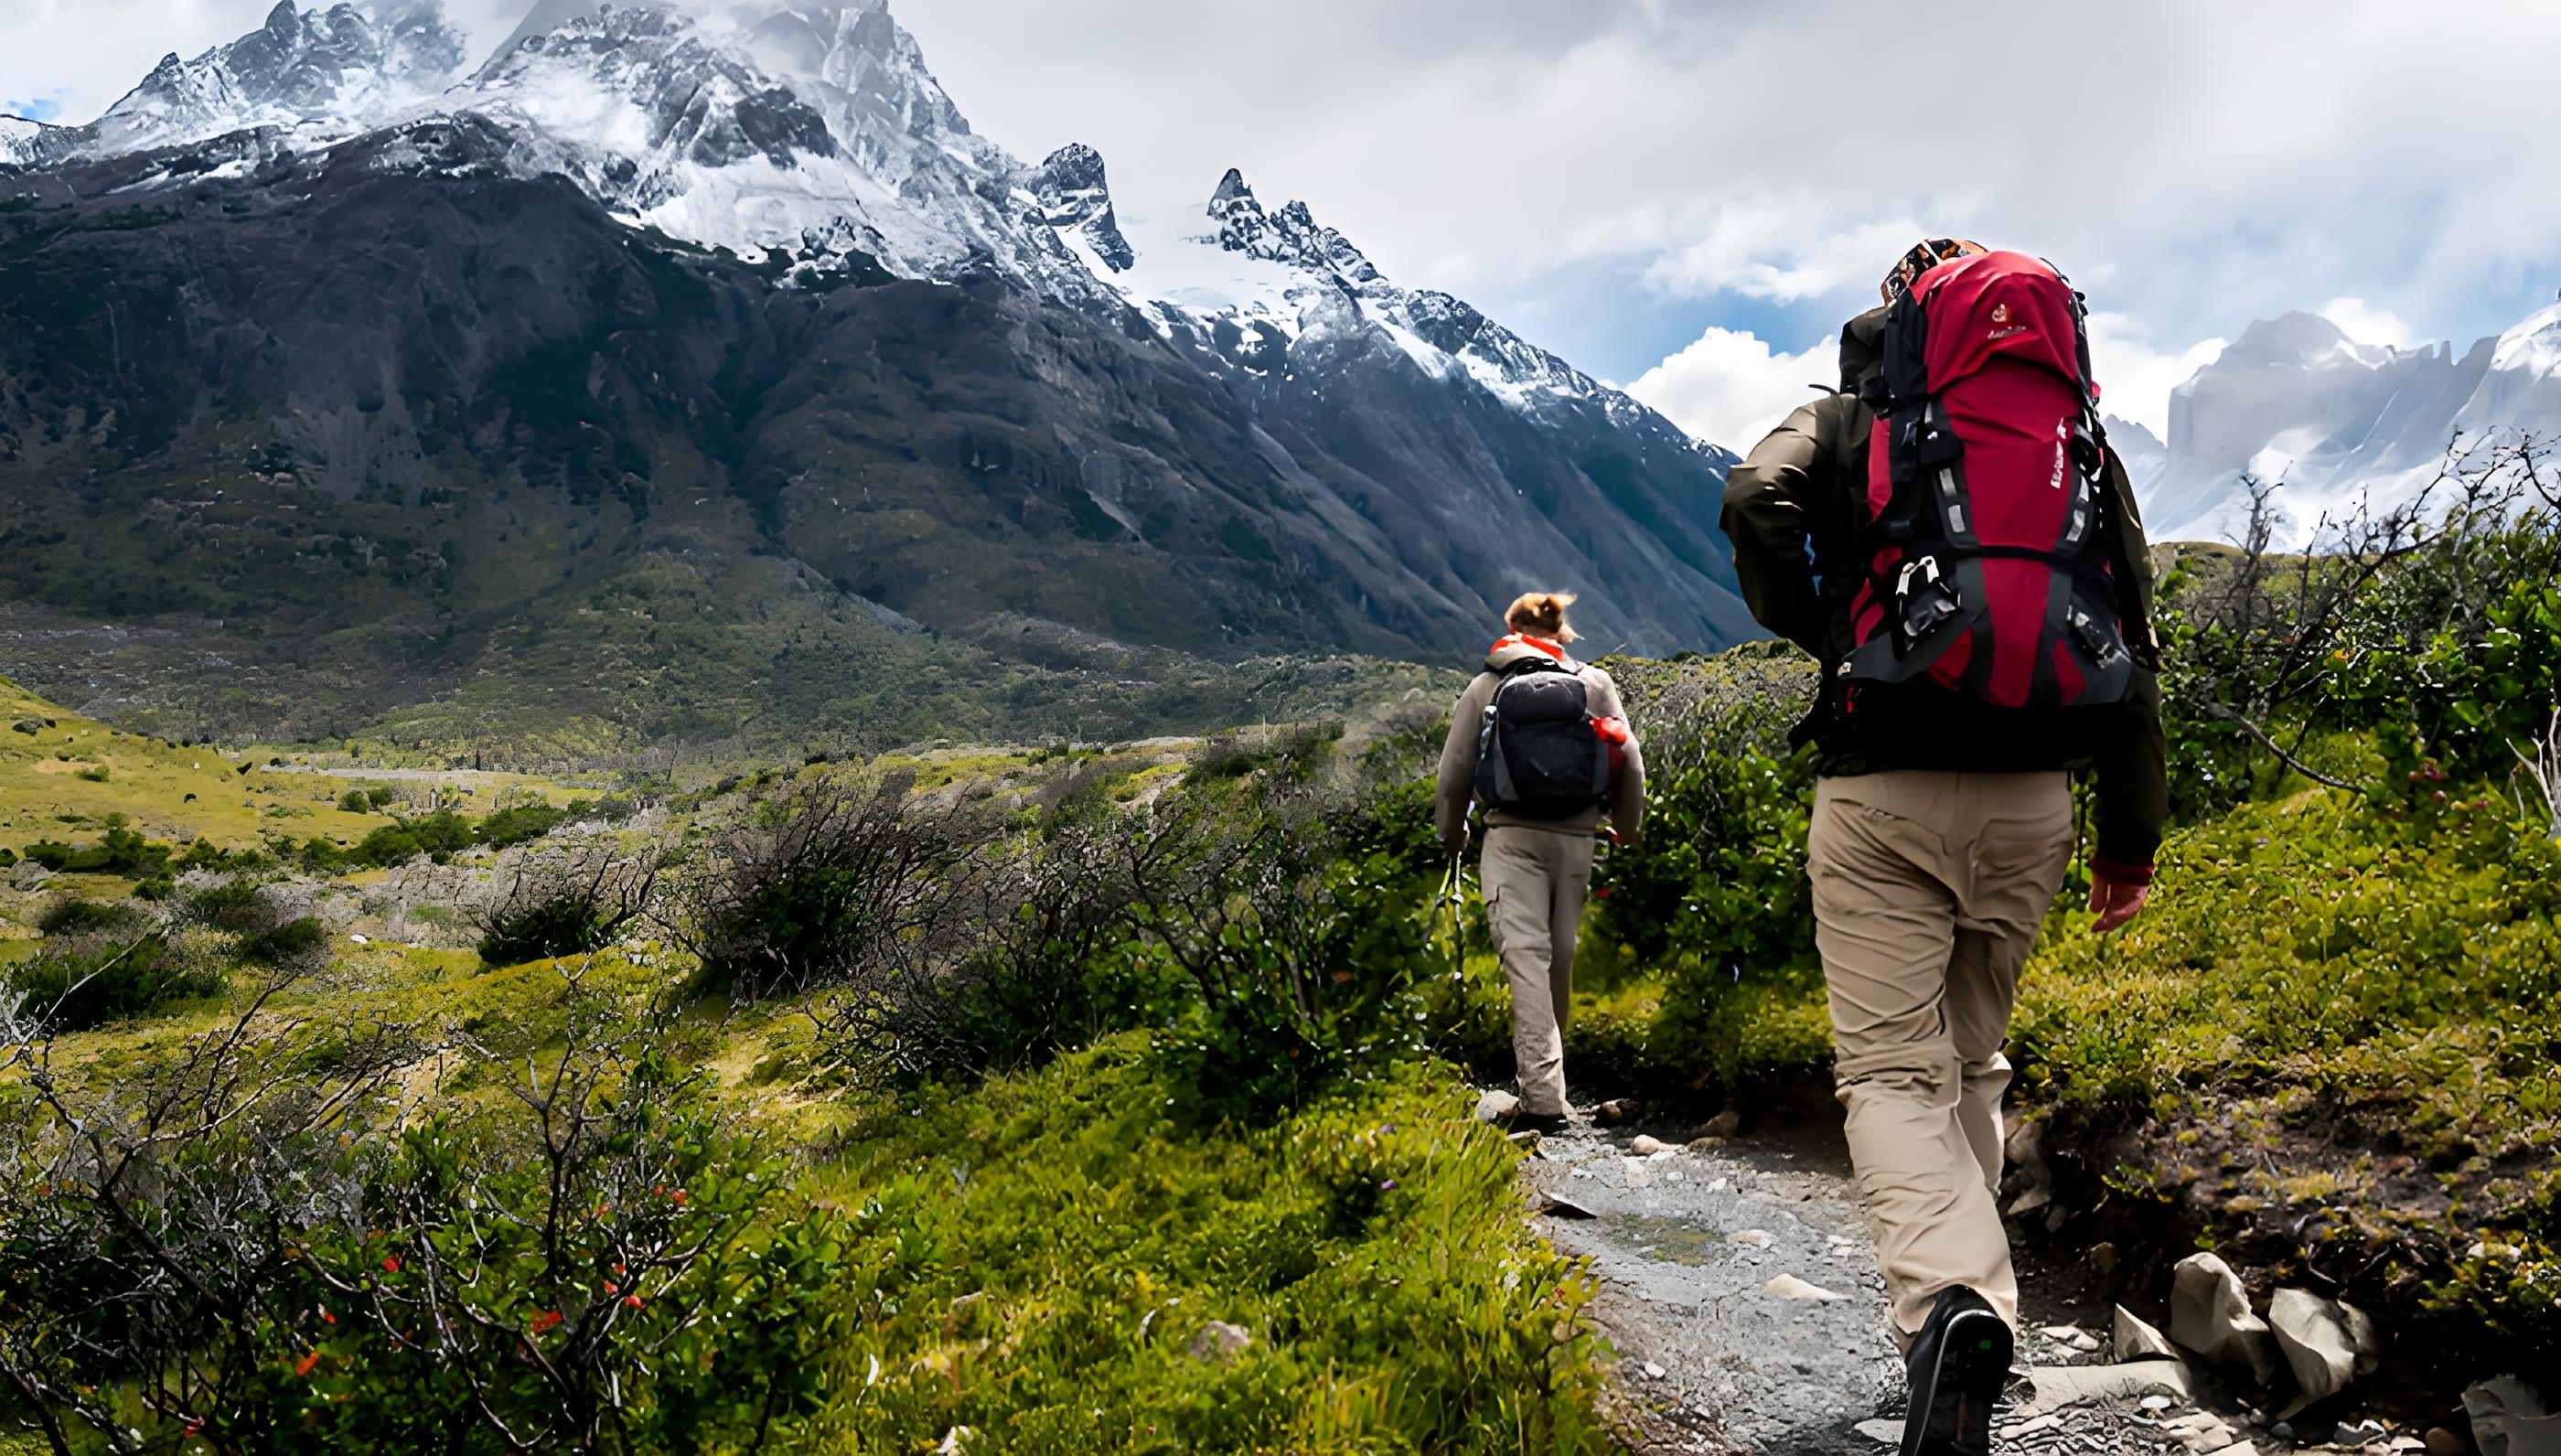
<point>2117,893</point>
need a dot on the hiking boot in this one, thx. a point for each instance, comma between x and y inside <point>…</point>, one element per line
<point>1522,1120</point>
<point>1958,1365</point>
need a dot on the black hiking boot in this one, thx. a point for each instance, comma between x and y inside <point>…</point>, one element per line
<point>1522,1120</point>
<point>1959,1364</point>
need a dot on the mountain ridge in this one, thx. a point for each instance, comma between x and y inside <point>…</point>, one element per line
<point>474,366</point>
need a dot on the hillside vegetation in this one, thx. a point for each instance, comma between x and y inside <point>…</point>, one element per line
<point>1066,1101</point>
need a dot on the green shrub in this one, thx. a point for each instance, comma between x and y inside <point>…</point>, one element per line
<point>94,979</point>
<point>122,852</point>
<point>286,942</point>
<point>607,1266</point>
<point>355,801</point>
<point>99,774</point>
<point>390,845</point>
<point>520,825</point>
<point>72,914</point>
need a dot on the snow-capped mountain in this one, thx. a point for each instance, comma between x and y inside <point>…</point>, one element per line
<point>25,143</point>
<point>2335,422</point>
<point>812,129</point>
<point>332,71</point>
<point>735,281</point>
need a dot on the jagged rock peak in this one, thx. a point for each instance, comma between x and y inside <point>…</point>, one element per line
<point>1075,192</point>
<point>345,65</point>
<point>1232,188</point>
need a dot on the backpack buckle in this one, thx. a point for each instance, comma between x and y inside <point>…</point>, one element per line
<point>1925,600</point>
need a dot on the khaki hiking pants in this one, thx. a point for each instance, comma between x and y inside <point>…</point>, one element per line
<point>1929,889</point>
<point>1535,881</point>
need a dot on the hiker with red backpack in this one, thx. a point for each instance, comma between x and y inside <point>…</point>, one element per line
<point>1541,744</point>
<point>1950,536</point>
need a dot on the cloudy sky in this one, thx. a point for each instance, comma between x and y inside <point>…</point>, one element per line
<point>1688,195</point>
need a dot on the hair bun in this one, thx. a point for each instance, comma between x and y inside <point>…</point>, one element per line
<point>1542,612</point>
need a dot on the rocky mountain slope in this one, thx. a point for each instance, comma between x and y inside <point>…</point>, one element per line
<point>384,367</point>
<point>2295,401</point>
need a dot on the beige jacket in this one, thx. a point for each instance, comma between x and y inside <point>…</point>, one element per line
<point>1626,811</point>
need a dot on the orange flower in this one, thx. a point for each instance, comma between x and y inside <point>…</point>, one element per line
<point>610,1287</point>
<point>547,1321</point>
<point>304,1366</point>
<point>632,1301</point>
<point>391,1266</point>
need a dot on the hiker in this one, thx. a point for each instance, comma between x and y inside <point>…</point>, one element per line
<point>1978,593</point>
<point>1541,742</point>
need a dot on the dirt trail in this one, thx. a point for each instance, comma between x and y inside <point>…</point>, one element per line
<point>1687,1245</point>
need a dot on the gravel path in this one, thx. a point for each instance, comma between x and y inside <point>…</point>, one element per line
<point>1739,1286</point>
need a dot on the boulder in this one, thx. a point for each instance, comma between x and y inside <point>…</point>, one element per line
<point>1723,1125</point>
<point>2209,1313</point>
<point>1496,1105</point>
<point>2136,1340</point>
<point>2072,1384</point>
<point>1645,1146</point>
<point>2315,1341</point>
<point>1789,1286</point>
<point>1220,1342</point>
<point>2510,1419</point>
<point>28,726</point>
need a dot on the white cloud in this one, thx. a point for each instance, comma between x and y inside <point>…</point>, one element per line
<point>2213,164</point>
<point>1731,388</point>
<point>2368,324</point>
<point>2135,376</point>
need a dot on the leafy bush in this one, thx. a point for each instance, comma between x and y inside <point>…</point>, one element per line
<point>521,824</point>
<point>604,1265</point>
<point>816,884</point>
<point>71,914</point>
<point>122,852</point>
<point>285,942</point>
<point>92,979</point>
<point>563,906</point>
<point>355,801</point>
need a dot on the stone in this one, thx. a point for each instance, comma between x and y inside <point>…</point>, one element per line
<point>1613,1113</point>
<point>1888,1431</point>
<point>2367,1432</point>
<point>1723,1125</point>
<point>2136,1340</point>
<point>1639,1175</point>
<point>2209,1314</point>
<point>2509,1419</point>
<point>2155,1403</point>
<point>1789,1286</point>
<point>28,726</point>
<point>1645,1146</point>
<point>1220,1342</point>
<point>2364,1336</point>
<point>1654,1372</point>
<point>2075,1384</point>
<point>1495,1106</point>
<point>2443,1442</point>
<point>2315,1341</point>
<point>2237,1448</point>
<point>1752,1238</point>
<point>1705,1145</point>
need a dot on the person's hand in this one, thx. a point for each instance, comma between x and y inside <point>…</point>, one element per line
<point>2115,896</point>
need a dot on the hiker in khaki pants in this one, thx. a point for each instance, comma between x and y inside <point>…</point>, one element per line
<point>1542,740</point>
<point>1980,603</point>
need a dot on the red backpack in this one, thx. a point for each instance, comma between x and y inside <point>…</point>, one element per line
<point>1983,495</point>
